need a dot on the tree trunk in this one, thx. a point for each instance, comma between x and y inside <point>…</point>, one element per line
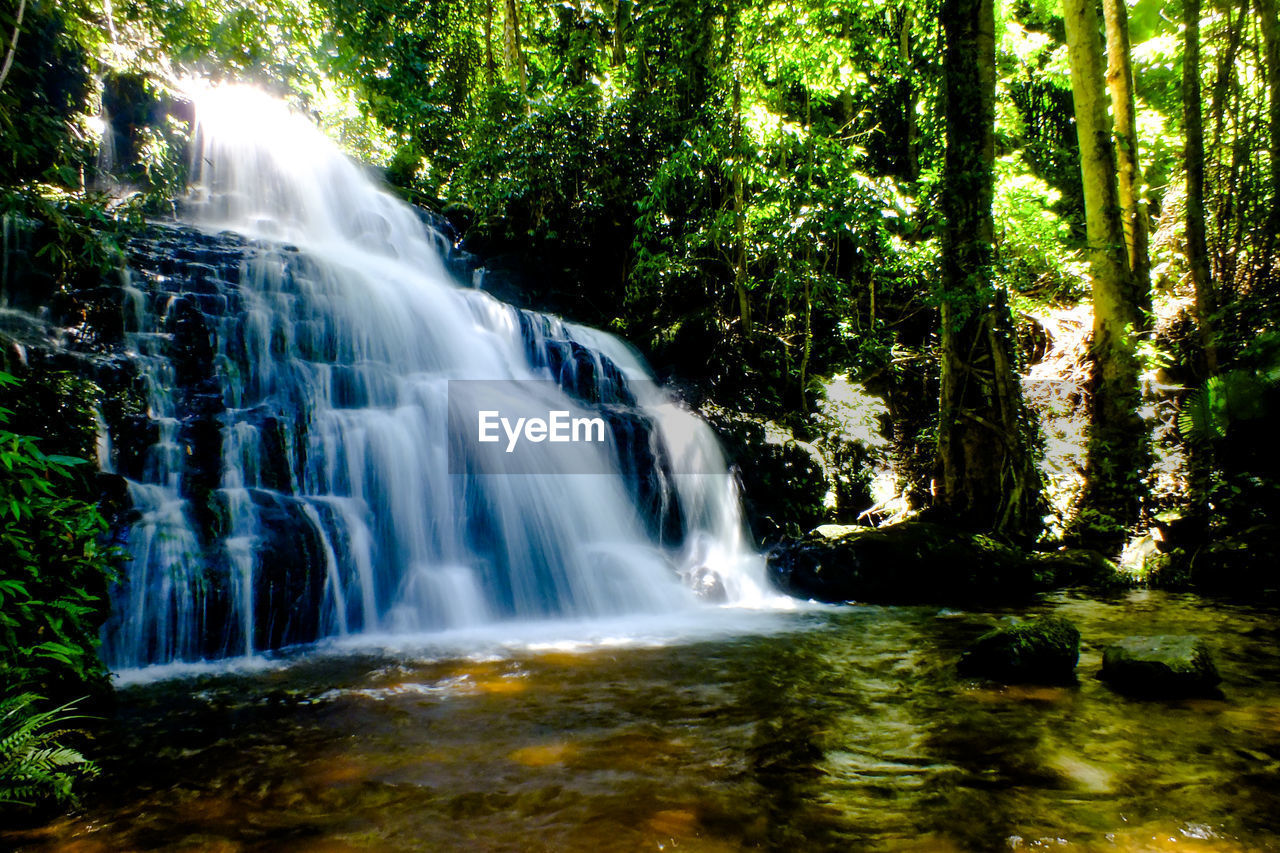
<point>1120,82</point>
<point>739,215</point>
<point>1223,252</point>
<point>490,67</point>
<point>909,96</point>
<point>1116,452</point>
<point>1271,44</point>
<point>514,46</point>
<point>1197,247</point>
<point>846,94</point>
<point>620,12</point>
<point>987,477</point>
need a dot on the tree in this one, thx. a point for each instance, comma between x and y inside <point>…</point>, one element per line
<point>514,45</point>
<point>1193,156</point>
<point>619,14</point>
<point>737,153</point>
<point>904,20</point>
<point>490,67</point>
<point>988,479</point>
<point>1271,45</point>
<point>1117,442</point>
<point>1120,82</point>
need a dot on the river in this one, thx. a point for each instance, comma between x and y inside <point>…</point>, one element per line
<point>818,729</point>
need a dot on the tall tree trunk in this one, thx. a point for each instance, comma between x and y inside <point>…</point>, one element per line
<point>1193,124</point>
<point>1120,82</point>
<point>987,477</point>
<point>514,45</point>
<point>1271,44</point>
<point>739,214</point>
<point>1225,160</point>
<point>912,147</point>
<point>1117,444</point>
<point>490,67</point>
<point>620,13</point>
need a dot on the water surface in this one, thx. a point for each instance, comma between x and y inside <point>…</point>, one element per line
<point>841,729</point>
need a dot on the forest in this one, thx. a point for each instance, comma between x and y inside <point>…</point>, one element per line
<point>969,311</point>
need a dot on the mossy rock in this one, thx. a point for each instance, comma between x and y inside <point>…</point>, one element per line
<point>913,562</point>
<point>1162,666</point>
<point>1079,567</point>
<point>1043,650</point>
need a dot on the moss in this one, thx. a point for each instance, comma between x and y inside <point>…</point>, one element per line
<point>916,561</point>
<point>1044,650</point>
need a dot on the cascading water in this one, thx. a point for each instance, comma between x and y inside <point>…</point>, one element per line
<point>300,480</point>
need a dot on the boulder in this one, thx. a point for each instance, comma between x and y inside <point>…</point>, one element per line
<point>1079,567</point>
<point>707,585</point>
<point>1043,650</point>
<point>1167,666</point>
<point>919,562</point>
<point>905,563</point>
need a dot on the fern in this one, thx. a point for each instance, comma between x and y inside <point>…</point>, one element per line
<point>1234,397</point>
<point>33,765</point>
<point>1199,422</point>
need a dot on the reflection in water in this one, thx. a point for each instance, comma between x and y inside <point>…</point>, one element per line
<point>848,729</point>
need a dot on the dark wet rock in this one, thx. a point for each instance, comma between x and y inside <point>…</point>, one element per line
<point>1078,567</point>
<point>1043,650</point>
<point>460,216</point>
<point>1034,340</point>
<point>1160,666</point>
<point>914,561</point>
<point>292,572</point>
<point>647,471</point>
<point>707,585</point>
<point>782,479</point>
<point>923,562</point>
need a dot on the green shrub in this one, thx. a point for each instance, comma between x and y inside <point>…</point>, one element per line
<point>54,568</point>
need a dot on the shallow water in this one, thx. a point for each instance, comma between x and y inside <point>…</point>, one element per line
<point>841,729</point>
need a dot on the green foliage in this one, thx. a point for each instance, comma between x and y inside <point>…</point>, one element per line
<point>417,64</point>
<point>655,160</point>
<point>1035,250</point>
<point>274,42</point>
<point>1207,411</point>
<point>1236,401</point>
<point>43,133</point>
<point>34,765</point>
<point>54,566</point>
<point>145,138</point>
<point>78,236</point>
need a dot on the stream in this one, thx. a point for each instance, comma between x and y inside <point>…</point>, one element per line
<point>815,729</point>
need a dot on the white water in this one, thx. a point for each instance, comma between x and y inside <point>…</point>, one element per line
<point>348,333</point>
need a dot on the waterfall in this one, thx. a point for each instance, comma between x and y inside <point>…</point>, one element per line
<point>302,476</point>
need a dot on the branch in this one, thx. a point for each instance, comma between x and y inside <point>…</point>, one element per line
<point>13,43</point>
